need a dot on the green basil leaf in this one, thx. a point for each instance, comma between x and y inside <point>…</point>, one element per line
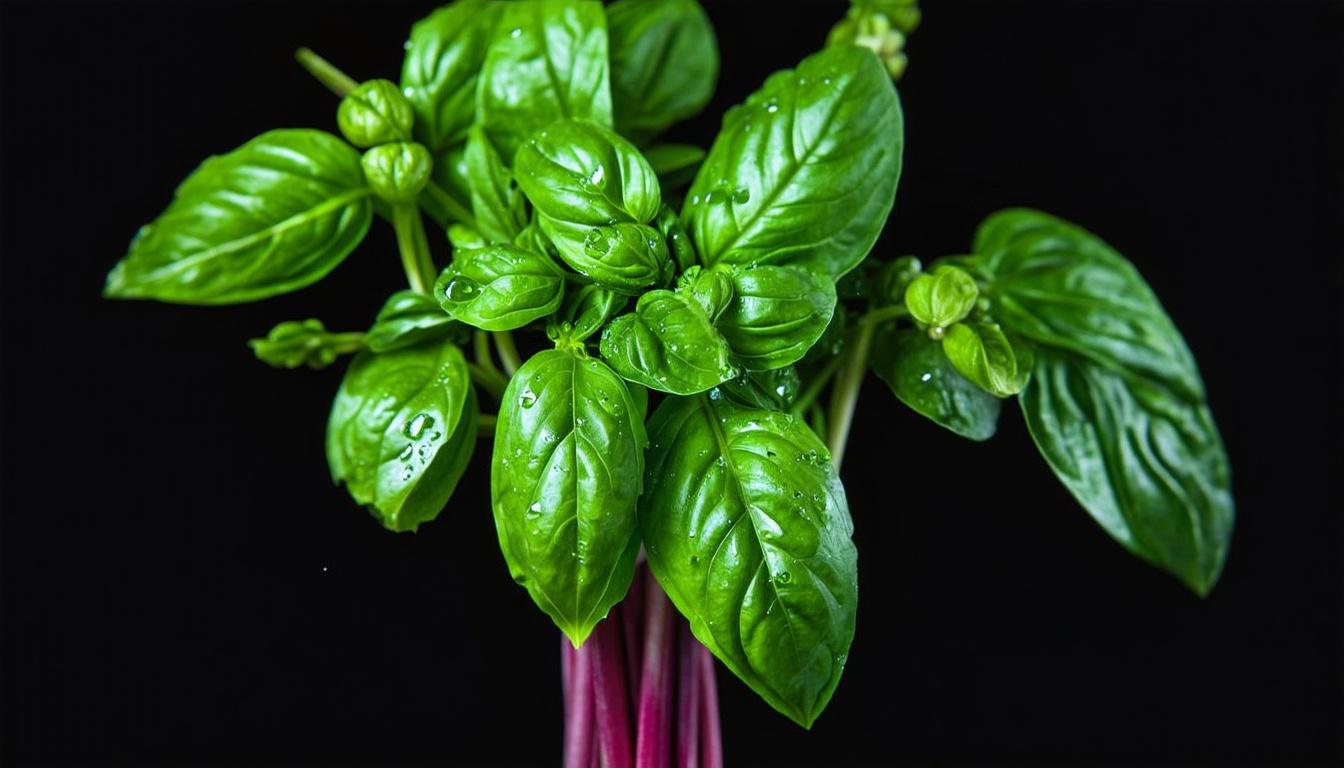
<point>496,202</point>
<point>776,315</point>
<point>500,287</point>
<point>805,171</point>
<point>1119,409</point>
<point>409,318</point>
<point>270,217</point>
<point>624,257</point>
<point>675,164</point>
<point>401,430</point>
<point>747,528</point>
<point>982,353</point>
<point>567,469</point>
<point>375,113</point>
<point>304,342</point>
<point>921,376</point>
<point>547,62</point>
<point>444,55</point>
<point>678,244</point>
<point>1147,465</point>
<point>582,173</point>
<point>668,344</point>
<point>664,63</point>
<point>941,298</point>
<point>832,339</point>
<point>773,390</point>
<point>591,307</point>
<point>711,288</point>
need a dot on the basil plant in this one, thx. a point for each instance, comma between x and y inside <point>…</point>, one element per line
<point>661,345</point>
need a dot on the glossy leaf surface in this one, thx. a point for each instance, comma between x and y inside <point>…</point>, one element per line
<point>921,376</point>
<point>409,318</point>
<point>401,430</point>
<point>375,113</point>
<point>546,62</point>
<point>270,217</point>
<point>567,469</point>
<point>668,344</point>
<point>805,171</point>
<point>776,314</point>
<point>664,63</point>
<point>582,173</point>
<point>500,287</point>
<point>773,390</point>
<point>984,355</point>
<point>302,342</point>
<point>1116,403</point>
<point>439,75</point>
<point>496,201</point>
<point>747,529</point>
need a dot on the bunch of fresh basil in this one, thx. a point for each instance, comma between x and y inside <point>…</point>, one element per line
<point>527,132</point>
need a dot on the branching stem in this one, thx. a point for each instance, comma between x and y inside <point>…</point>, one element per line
<point>414,247</point>
<point>508,353</point>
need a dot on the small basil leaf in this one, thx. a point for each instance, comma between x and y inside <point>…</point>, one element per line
<point>982,353</point>
<point>397,172</point>
<point>270,217</point>
<point>400,430</point>
<point>920,376</point>
<point>678,244</point>
<point>409,318</point>
<point>675,164</point>
<point>624,257</point>
<point>711,288</point>
<point>303,342</point>
<point>773,390</point>
<point>664,63</point>
<point>591,307</point>
<point>497,203</point>
<point>1119,411</point>
<point>747,528</point>
<point>462,237</point>
<point>941,298</point>
<point>805,171</point>
<point>1147,465</point>
<point>894,279</point>
<point>375,113</point>
<point>668,344</point>
<point>444,55</point>
<point>547,62</point>
<point>776,315</point>
<point>582,173</point>
<point>500,287</point>
<point>567,468</point>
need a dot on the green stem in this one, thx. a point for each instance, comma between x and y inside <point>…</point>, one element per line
<point>845,393</point>
<point>346,343</point>
<point>414,247</point>
<point>481,344</point>
<point>489,380</point>
<point>814,387</point>
<point>455,210</point>
<point>336,81</point>
<point>879,316</point>
<point>508,353</point>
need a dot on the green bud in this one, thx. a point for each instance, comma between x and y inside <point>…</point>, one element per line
<point>942,298</point>
<point>302,342</point>
<point>398,171</point>
<point>896,277</point>
<point>984,355</point>
<point>375,113</point>
<point>712,289</point>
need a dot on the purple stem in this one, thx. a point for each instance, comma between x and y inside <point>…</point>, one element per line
<point>632,610</point>
<point>609,702</point>
<point>654,720</point>
<point>688,699</point>
<point>579,713</point>
<point>711,740</point>
<point>566,671</point>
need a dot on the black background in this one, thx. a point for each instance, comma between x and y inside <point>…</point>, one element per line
<point>182,583</point>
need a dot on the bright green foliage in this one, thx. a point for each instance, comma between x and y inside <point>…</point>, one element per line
<point>397,172</point>
<point>770,193</point>
<point>982,353</point>
<point>920,375</point>
<point>375,113</point>
<point>409,318</point>
<point>303,342</point>
<point>500,287</point>
<point>773,390</point>
<point>443,63</point>
<point>776,314</point>
<point>567,468</point>
<point>747,528</point>
<point>940,299</point>
<point>664,63</point>
<point>496,201</point>
<point>669,344</point>
<point>401,431</point>
<point>270,217</point>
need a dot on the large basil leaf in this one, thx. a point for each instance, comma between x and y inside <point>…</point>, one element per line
<point>776,314</point>
<point>664,62</point>
<point>444,55</point>
<point>547,62</point>
<point>401,430</point>
<point>272,216</point>
<point>921,376</point>
<point>668,344</point>
<point>409,318</point>
<point>774,390</point>
<point>500,287</point>
<point>1115,402</point>
<point>567,468</point>
<point>805,171</point>
<point>495,200</point>
<point>747,528</point>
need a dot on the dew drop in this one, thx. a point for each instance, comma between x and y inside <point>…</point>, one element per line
<point>741,195</point>
<point>406,46</point>
<point>598,175</point>
<point>406,453</point>
<point>461,288</point>
<point>596,243</point>
<point>516,32</point>
<point>527,399</point>
<point>535,509</point>
<point>784,577</point>
<point>417,425</point>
